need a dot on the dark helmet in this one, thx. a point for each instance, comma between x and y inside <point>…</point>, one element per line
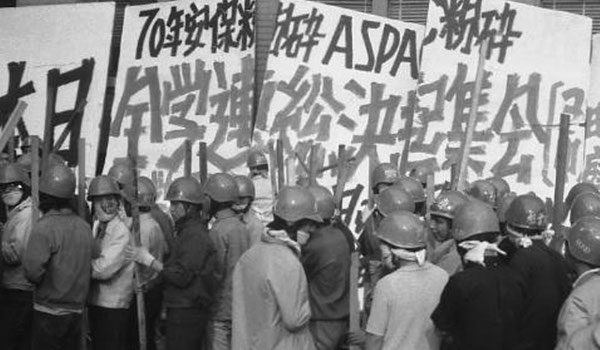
<point>58,181</point>
<point>394,198</point>
<point>473,218</point>
<point>146,191</point>
<point>402,229</point>
<point>504,205</point>
<point>122,173</point>
<point>384,173</point>
<point>245,186</point>
<point>585,204</point>
<point>578,189</point>
<point>13,172</point>
<point>484,191</point>
<point>255,159</point>
<point>528,212</point>
<point>103,185</point>
<point>325,202</point>
<point>222,187</point>
<point>583,240</point>
<point>420,173</point>
<point>25,161</point>
<point>413,187</point>
<point>295,203</point>
<point>186,189</point>
<point>447,203</point>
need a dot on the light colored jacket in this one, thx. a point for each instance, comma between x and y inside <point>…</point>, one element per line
<point>262,205</point>
<point>16,232</point>
<point>580,310</point>
<point>271,310</point>
<point>112,274</point>
<point>151,237</point>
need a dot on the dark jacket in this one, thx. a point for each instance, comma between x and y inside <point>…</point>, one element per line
<point>326,261</point>
<point>545,274</point>
<point>480,308</point>
<point>58,260</point>
<point>189,271</point>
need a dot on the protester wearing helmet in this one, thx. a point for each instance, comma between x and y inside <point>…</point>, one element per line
<point>576,190</point>
<point>585,204</point>
<point>111,290</point>
<point>16,299</point>
<point>57,261</point>
<point>326,261</point>
<point>231,239</point>
<point>147,194</point>
<point>189,270</point>
<point>420,173</point>
<point>405,298</point>
<point>262,205</point>
<point>383,176</point>
<point>153,239</point>
<point>544,271</point>
<point>479,307</point>
<point>270,297</point>
<point>484,191</point>
<point>415,189</point>
<point>444,253</point>
<point>247,193</point>
<point>387,201</point>
<point>501,187</point>
<point>581,309</point>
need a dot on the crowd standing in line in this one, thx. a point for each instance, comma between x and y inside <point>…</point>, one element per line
<point>233,266</point>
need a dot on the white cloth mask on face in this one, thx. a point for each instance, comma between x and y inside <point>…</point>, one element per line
<point>13,197</point>
<point>106,209</point>
<point>302,237</point>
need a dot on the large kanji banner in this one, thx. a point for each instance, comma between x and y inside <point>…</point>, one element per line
<point>186,72</point>
<point>537,67</point>
<point>334,77</point>
<point>592,143</point>
<point>55,58</point>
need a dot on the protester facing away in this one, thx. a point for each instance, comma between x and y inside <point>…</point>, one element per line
<point>420,173</point>
<point>163,219</point>
<point>57,261</point>
<point>480,307</point>
<point>247,194</point>
<point>405,298</point>
<point>262,205</point>
<point>231,239</point>
<point>414,188</point>
<point>326,261</point>
<point>581,309</point>
<point>271,310</point>
<point>152,238</point>
<point>444,254</point>
<point>16,299</point>
<point>544,271</point>
<point>111,290</point>
<point>188,273</point>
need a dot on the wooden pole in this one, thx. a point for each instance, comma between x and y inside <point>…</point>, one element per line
<point>280,171</point>
<point>354,307</point>
<point>562,153</point>
<point>9,128</point>
<point>341,179</point>
<point>81,178</point>
<point>35,178</point>
<point>273,168</point>
<point>312,166</point>
<point>63,135</point>
<point>187,160</point>
<point>290,169</point>
<point>430,192</point>
<point>466,145</point>
<point>202,157</point>
<point>453,176</point>
<point>132,154</point>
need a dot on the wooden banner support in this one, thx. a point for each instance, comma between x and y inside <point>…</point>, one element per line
<point>69,126</point>
<point>187,159</point>
<point>203,160</point>
<point>342,178</point>
<point>430,192</point>
<point>312,166</point>
<point>9,128</point>
<point>80,178</point>
<point>562,155</point>
<point>273,167</point>
<point>132,154</point>
<point>466,145</point>
<point>35,178</point>
<point>280,165</point>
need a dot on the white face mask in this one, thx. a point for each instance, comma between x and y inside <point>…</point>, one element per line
<point>106,209</point>
<point>12,198</point>
<point>302,237</point>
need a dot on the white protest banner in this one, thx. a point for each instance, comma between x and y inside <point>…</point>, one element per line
<point>186,72</point>
<point>60,51</point>
<point>536,68</point>
<point>592,141</point>
<point>334,77</point>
